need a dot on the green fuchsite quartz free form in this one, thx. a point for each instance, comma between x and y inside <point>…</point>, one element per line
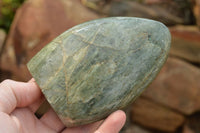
<point>100,66</point>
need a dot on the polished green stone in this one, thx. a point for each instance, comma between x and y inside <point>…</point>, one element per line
<point>100,66</point>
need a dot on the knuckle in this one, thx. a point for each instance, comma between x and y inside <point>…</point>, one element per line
<point>6,81</point>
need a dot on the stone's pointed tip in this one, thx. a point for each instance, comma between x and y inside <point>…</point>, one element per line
<point>100,66</point>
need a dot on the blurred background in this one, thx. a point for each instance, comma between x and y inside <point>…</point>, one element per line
<point>171,104</point>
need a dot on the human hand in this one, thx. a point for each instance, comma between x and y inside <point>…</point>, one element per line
<point>19,101</point>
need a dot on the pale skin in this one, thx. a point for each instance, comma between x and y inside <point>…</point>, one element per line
<point>19,101</point>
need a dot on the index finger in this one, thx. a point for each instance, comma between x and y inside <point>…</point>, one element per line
<point>17,94</point>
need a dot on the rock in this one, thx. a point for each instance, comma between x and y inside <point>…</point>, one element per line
<point>4,75</point>
<point>153,115</point>
<point>166,11</point>
<point>81,69</point>
<point>192,124</point>
<point>36,23</point>
<point>196,11</point>
<point>186,129</point>
<point>2,39</point>
<point>186,43</point>
<point>154,1</point>
<point>177,86</point>
<point>135,129</point>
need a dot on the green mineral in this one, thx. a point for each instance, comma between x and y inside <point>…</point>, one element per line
<point>100,66</point>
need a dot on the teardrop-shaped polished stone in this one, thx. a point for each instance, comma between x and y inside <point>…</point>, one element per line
<point>100,66</point>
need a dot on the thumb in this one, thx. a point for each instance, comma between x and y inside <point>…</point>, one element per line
<point>113,123</point>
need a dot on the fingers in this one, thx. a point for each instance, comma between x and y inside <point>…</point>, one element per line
<point>113,123</point>
<point>90,128</point>
<point>33,107</point>
<point>7,125</point>
<point>28,123</point>
<point>51,120</point>
<point>17,94</point>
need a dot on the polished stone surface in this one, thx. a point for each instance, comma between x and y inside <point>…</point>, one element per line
<point>100,66</point>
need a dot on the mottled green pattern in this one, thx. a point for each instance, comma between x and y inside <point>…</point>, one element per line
<point>100,66</point>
